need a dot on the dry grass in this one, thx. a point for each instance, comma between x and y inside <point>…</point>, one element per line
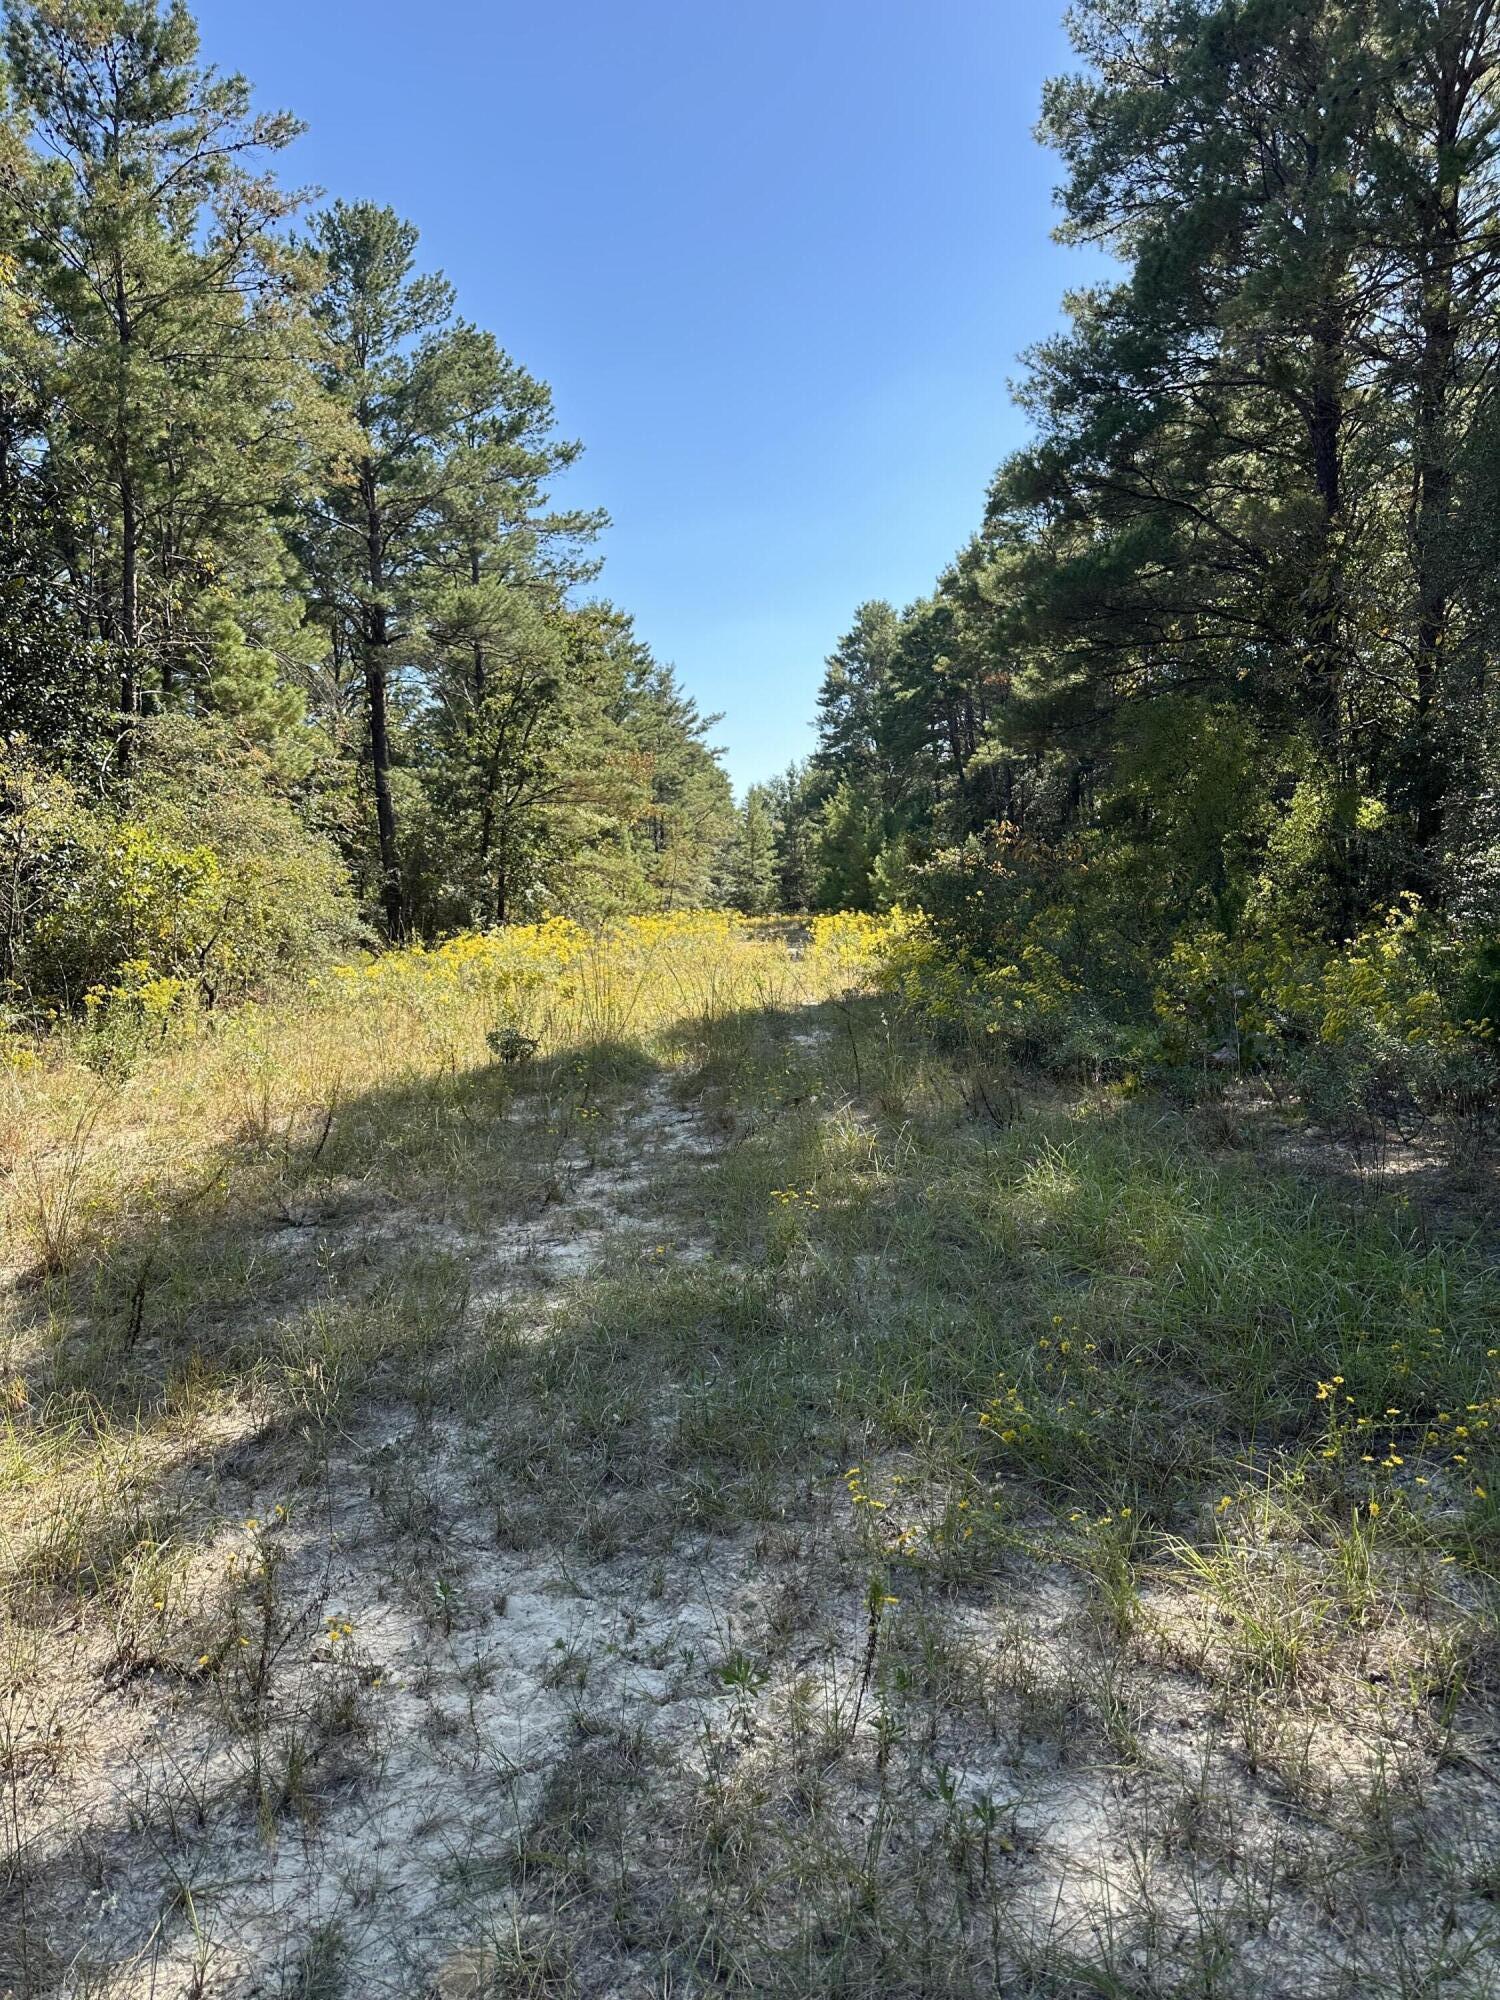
<point>726,1499</point>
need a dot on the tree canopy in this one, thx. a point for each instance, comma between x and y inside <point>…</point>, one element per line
<point>260,477</point>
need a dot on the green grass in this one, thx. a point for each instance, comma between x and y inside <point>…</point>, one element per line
<point>933,1534</point>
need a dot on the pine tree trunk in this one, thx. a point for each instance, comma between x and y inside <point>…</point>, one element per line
<point>385,810</point>
<point>1442,225</point>
<point>129,526</point>
<point>1325,426</point>
<point>129,616</point>
<point>377,693</point>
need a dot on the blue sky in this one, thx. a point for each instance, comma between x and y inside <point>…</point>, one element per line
<point>776,260</point>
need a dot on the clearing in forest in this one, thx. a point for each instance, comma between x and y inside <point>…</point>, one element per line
<point>608,1466</point>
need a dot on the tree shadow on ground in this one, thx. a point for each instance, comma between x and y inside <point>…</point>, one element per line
<point>361,1302</point>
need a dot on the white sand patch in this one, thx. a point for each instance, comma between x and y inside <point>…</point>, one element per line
<point>595,1199</point>
<point>405,1838</point>
<point>201,1830</point>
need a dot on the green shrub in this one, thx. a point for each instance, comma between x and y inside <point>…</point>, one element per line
<point>196,886</point>
<point>1369,1030</point>
<point>1027,952</point>
<point>1479,991</point>
<point>1055,959</point>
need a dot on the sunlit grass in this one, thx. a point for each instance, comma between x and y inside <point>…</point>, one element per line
<point>996,1433</point>
<point>97,1147</point>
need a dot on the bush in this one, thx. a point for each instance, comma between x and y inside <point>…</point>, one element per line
<point>1050,958</point>
<point>196,887</point>
<point>1372,1032</point>
<point>1479,991</point>
<point>1027,952</point>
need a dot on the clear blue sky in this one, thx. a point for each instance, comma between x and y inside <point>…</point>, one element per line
<point>777,261</point>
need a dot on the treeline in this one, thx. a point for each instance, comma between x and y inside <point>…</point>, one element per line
<point>293,642</point>
<point>1218,671</point>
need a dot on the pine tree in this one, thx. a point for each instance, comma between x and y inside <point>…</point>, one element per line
<point>849,699</point>
<point>793,810</point>
<point>1242,494</point>
<point>168,323</point>
<point>752,870</point>
<point>452,442</point>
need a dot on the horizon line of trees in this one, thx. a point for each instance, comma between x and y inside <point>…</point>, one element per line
<point>1229,630</point>
<point>285,599</point>
<point>279,566</point>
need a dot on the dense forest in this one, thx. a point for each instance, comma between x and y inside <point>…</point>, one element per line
<point>1210,702</point>
<point>1189,759</point>
<point>294,645</point>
